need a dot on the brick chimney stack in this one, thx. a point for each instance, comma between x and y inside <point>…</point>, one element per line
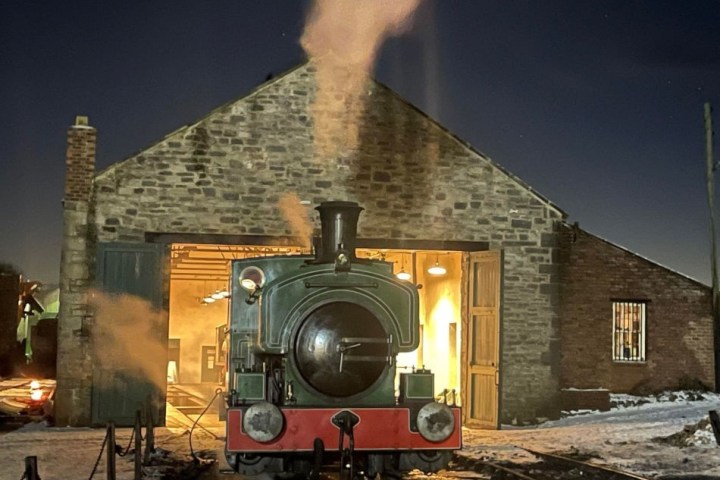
<point>80,160</point>
<point>77,263</point>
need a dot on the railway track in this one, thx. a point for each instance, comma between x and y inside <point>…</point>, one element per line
<point>548,467</point>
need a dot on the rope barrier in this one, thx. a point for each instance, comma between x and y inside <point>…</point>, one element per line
<point>97,462</point>
<point>122,453</point>
<point>218,391</point>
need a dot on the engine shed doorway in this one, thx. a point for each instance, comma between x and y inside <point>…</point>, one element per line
<point>199,310</point>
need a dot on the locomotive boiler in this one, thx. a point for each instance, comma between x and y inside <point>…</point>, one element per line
<point>313,342</point>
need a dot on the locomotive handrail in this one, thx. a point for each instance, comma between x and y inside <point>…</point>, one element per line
<point>366,340</point>
<point>366,358</point>
<point>347,343</point>
<point>341,285</point>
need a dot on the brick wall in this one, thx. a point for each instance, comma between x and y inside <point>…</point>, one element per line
<point>679,345</point>
<point>79,160</point>
<point>225,174</point>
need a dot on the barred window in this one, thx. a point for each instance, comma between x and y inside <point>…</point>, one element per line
<point>629,331</point>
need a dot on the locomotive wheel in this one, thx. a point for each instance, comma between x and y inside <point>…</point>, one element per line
<point>250,464</point>
<point>427,461</point>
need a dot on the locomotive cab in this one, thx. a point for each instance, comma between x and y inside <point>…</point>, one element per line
<point>313,343</point>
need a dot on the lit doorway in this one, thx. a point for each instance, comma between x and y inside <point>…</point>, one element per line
<point>439,275</point>
<point>199,309</point>
<point>197,324</point>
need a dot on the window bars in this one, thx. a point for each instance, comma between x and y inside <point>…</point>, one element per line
<point>629,331</point>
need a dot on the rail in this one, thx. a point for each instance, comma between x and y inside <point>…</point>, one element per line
<point>610,471</point>
<point>555,467</point>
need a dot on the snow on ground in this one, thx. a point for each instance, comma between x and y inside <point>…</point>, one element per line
<point>625,437</point>
<point>71,453</point>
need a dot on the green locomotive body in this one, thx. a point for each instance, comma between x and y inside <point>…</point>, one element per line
<point>312,347</point>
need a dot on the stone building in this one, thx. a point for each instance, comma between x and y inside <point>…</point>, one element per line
<point>211,190</point>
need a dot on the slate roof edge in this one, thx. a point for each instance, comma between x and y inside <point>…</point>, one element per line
<point>635,254</point>
<point>252,92</point>
<point>284,74</point>
<point>469,146</point>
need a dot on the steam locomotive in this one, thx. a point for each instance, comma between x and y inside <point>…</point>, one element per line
<point>313,342</point>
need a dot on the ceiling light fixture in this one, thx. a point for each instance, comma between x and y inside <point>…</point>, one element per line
<point>402,274</point>
<point>437,269</point>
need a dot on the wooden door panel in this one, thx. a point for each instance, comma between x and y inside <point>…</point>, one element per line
<point>484,344</point>
<point>119,390</point>
<point>481,398</point>
<point>483,409</point>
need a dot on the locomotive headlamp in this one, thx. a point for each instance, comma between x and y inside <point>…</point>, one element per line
<point>252,278</point>
<point>435,422</point>
<point>248,284</point>
<point>263,422</point>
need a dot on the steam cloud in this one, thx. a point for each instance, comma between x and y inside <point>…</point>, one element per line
<point>296,216</point>
<point>342,39</point>
<point>126,333</point>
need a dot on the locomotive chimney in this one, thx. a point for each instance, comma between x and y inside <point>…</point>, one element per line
<point>339,230</point>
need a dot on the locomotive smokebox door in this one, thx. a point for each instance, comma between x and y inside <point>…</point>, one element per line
<point>341,349</point>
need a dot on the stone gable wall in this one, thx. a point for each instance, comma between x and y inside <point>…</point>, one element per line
<point>679,348</point>
<point>226,173</point>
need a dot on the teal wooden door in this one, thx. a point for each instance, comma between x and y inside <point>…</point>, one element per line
<point>132,372</point>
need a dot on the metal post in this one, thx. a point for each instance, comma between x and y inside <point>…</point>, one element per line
<point>715,423</point>
<point>31,469</point>
<point>138,445</point>
<point>110,452</point>
<point>710,170</point>
<point>149,435</point>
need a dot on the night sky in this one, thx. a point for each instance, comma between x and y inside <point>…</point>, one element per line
<point>598,105</point>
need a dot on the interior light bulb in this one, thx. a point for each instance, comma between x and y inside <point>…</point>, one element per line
<point>437,269</point>
<point>403,275</point>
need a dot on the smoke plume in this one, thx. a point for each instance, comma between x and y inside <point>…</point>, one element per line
<point>295,214</point>
<point>126,333</point>
<point>342,39</point>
